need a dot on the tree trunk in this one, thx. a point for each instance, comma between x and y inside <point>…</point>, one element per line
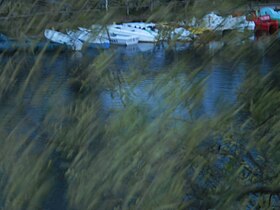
<point>106,5</point>
<point>151,5</point>
<point>127,7</point>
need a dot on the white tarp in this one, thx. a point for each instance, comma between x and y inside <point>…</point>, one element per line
<point>212,21</point>
<point>215,22</point>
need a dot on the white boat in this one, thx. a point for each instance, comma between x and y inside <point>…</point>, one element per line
<point>121,39</point>
<point>89,38</point>
<point>151,27</point>
<point>115,38</point>
<point>144,35</point>
<point>62,38</point>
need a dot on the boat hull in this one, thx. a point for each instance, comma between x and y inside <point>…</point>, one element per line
<point>143,35</point>
<point>89,39</point>
<point>61,38</point>
<point>118,39</point>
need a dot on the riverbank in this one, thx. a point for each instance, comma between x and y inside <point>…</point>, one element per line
<point>31,19</point>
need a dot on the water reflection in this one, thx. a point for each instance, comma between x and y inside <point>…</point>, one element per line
<point>158,78</point>
<point>222,86</point>
<point>50,87</point>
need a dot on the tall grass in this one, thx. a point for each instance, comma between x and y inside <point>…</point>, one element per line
<point>62,148</point>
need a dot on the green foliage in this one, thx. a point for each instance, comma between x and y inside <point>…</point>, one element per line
<point>136,156</point>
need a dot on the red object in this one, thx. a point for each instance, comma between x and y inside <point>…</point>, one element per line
<point>264,23</point>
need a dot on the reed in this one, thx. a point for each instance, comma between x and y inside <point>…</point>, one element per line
<point>79,154</point>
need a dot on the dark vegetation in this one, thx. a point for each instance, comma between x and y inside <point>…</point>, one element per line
<point>32,16</point>
<point>75,157</point>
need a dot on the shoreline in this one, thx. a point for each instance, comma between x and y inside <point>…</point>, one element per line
<point>34,21</point>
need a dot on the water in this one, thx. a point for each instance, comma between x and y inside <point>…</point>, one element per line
<point>142,75</point>
<point>50,86</point>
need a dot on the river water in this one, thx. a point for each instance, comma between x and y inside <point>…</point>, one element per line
<point>222,75</point>
<point>160,73</point>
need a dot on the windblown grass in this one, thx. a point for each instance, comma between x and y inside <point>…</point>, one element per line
<point>62,149</point>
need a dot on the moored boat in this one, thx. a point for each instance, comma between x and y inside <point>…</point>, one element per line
<point>121,39</point>
<point>63,39</point>
<point>89,38</point>
<point>114,38</point>
<point>150,27</point>
<point>144,35</point>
